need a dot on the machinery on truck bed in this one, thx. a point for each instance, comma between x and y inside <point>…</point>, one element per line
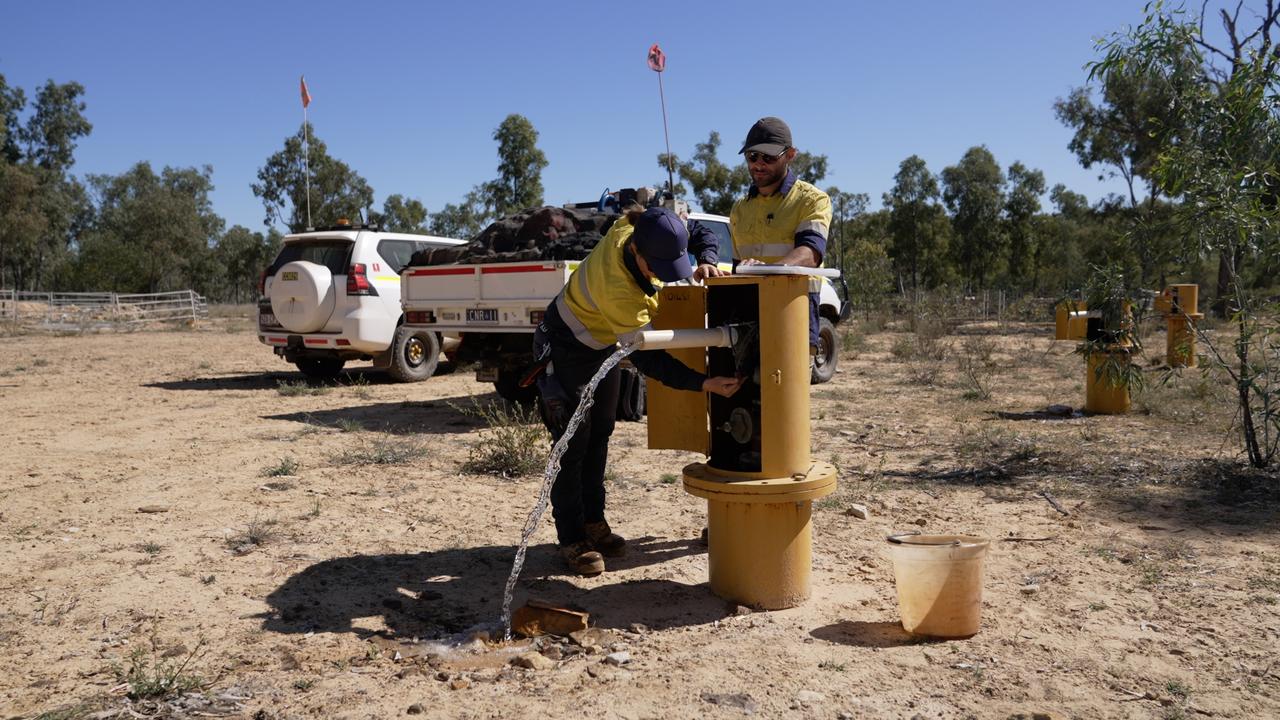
<point>494,306</point>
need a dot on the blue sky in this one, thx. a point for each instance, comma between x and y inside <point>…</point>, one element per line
<point>409,93</point>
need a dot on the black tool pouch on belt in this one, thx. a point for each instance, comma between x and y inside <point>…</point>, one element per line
<point>554,403</point>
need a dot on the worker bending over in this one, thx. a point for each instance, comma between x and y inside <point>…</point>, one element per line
<point>609,298</point>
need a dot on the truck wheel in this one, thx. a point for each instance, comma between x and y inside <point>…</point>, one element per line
<point>823,365</point>
<point>414,354</point>
<point>508,387</point>
<point>632,400</point>
<point>320,368</point>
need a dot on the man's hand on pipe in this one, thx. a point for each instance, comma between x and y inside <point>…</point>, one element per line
<point>723,386</point>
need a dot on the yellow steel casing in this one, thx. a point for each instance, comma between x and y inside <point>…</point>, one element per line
<point>678,418</point>
<point>1185,298</point>
<point>759,533</point>
<point>758,523</point>
<point>1180,345</point>
<point>784,372</point>
<point>784,375</point>
<point>1103,396</point>
<point>1067,327</point>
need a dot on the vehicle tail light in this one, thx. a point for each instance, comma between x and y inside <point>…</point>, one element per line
<point>262,282</point>
<point>420,317</point>
<point>358,282</point>
<point>535,316</point>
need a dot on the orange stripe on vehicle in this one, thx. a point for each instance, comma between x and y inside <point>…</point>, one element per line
<point>274,339</point>
<point>316,341</point>
<point>441,271</point>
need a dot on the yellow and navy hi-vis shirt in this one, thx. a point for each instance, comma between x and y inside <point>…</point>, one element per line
<point>602,301</point>
<point>608,299</point>
<point>767,228</point>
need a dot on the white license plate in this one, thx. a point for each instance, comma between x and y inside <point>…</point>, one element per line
<point>268,319</point>
<point>482,315</point>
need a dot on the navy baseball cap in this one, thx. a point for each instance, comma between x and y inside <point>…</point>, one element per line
<point>662,240</point>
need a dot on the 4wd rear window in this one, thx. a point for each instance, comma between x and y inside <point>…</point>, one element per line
<point>398,252</point>
<point>333,254</point>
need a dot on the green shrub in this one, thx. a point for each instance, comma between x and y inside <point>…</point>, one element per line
<point>512,443</point>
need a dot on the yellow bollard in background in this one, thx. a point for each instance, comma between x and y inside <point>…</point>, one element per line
<point>1102,394</point>
<point>1067,326</point>
<point>1179,308</point>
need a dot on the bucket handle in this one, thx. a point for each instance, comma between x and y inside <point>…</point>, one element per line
<point>897,539</point>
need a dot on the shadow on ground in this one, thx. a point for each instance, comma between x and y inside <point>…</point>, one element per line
<point>437,594</point>
<point>1060,412</point>
<point>1221,495</point>
<point>442,416</point>
<point>272,380</point>
<point>867,634</point>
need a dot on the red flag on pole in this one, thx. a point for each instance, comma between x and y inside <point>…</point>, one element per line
<point>306,96</point>
<point>657,61</point>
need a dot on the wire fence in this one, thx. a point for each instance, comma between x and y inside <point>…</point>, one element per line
<point>956,307</point>
<point>98,310</point>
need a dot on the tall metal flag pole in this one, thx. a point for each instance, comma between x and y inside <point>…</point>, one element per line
<point>657,63</point>
<point>306,144</point>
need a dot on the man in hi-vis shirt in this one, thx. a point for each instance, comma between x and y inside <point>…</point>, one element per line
<point>782,220</point>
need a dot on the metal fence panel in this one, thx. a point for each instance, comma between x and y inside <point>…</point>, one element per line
<point>98,310</point>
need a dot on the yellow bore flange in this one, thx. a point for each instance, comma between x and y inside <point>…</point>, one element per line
<point>759,533</point>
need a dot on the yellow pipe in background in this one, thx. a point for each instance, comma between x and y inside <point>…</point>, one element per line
<point>1066,325</point>
<point>1179,306</point>
<point>1103,394</point>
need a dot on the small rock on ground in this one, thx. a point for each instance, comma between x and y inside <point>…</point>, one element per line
<point>741,701</point>
<point>533,661</point>
<point>809,697</point>
<point>859,511</point>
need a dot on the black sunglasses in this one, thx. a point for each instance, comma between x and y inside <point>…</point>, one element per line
<point>770,159</point>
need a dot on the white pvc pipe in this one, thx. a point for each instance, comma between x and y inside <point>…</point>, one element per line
<point>692,338</point>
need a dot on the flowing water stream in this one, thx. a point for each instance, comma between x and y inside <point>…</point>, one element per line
<point>553,468</point>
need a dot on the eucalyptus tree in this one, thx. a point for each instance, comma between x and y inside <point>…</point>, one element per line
<point>973,191</point>
<point>336,191</point>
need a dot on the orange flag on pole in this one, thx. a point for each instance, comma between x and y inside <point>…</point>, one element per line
<point>657,60</point>
<point>306,96</point>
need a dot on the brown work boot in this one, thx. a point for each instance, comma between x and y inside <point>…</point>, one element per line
<point>609,543</point>
<point>582,559</point>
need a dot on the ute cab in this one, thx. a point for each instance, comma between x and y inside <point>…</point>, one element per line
<point>332,295</point>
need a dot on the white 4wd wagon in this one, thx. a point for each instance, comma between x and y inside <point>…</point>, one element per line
<point>333,295</point>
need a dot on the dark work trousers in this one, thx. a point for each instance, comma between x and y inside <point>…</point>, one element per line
<point>813,319</point>
<point>577,495</point>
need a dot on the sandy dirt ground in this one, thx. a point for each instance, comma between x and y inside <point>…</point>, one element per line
<point>167,511</point>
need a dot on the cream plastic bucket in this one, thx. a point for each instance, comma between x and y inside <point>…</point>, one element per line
<point>939,580</point>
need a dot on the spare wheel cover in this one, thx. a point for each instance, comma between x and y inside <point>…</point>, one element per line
<point>302,296</point>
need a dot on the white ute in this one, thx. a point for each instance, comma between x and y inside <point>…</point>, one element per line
<point>333,295</point>
<point>494,308</point>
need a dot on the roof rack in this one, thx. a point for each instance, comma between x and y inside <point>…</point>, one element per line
<point>345,226</point>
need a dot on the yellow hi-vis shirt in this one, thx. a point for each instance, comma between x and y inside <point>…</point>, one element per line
<point>767,228</point>
<point>601,303</point>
